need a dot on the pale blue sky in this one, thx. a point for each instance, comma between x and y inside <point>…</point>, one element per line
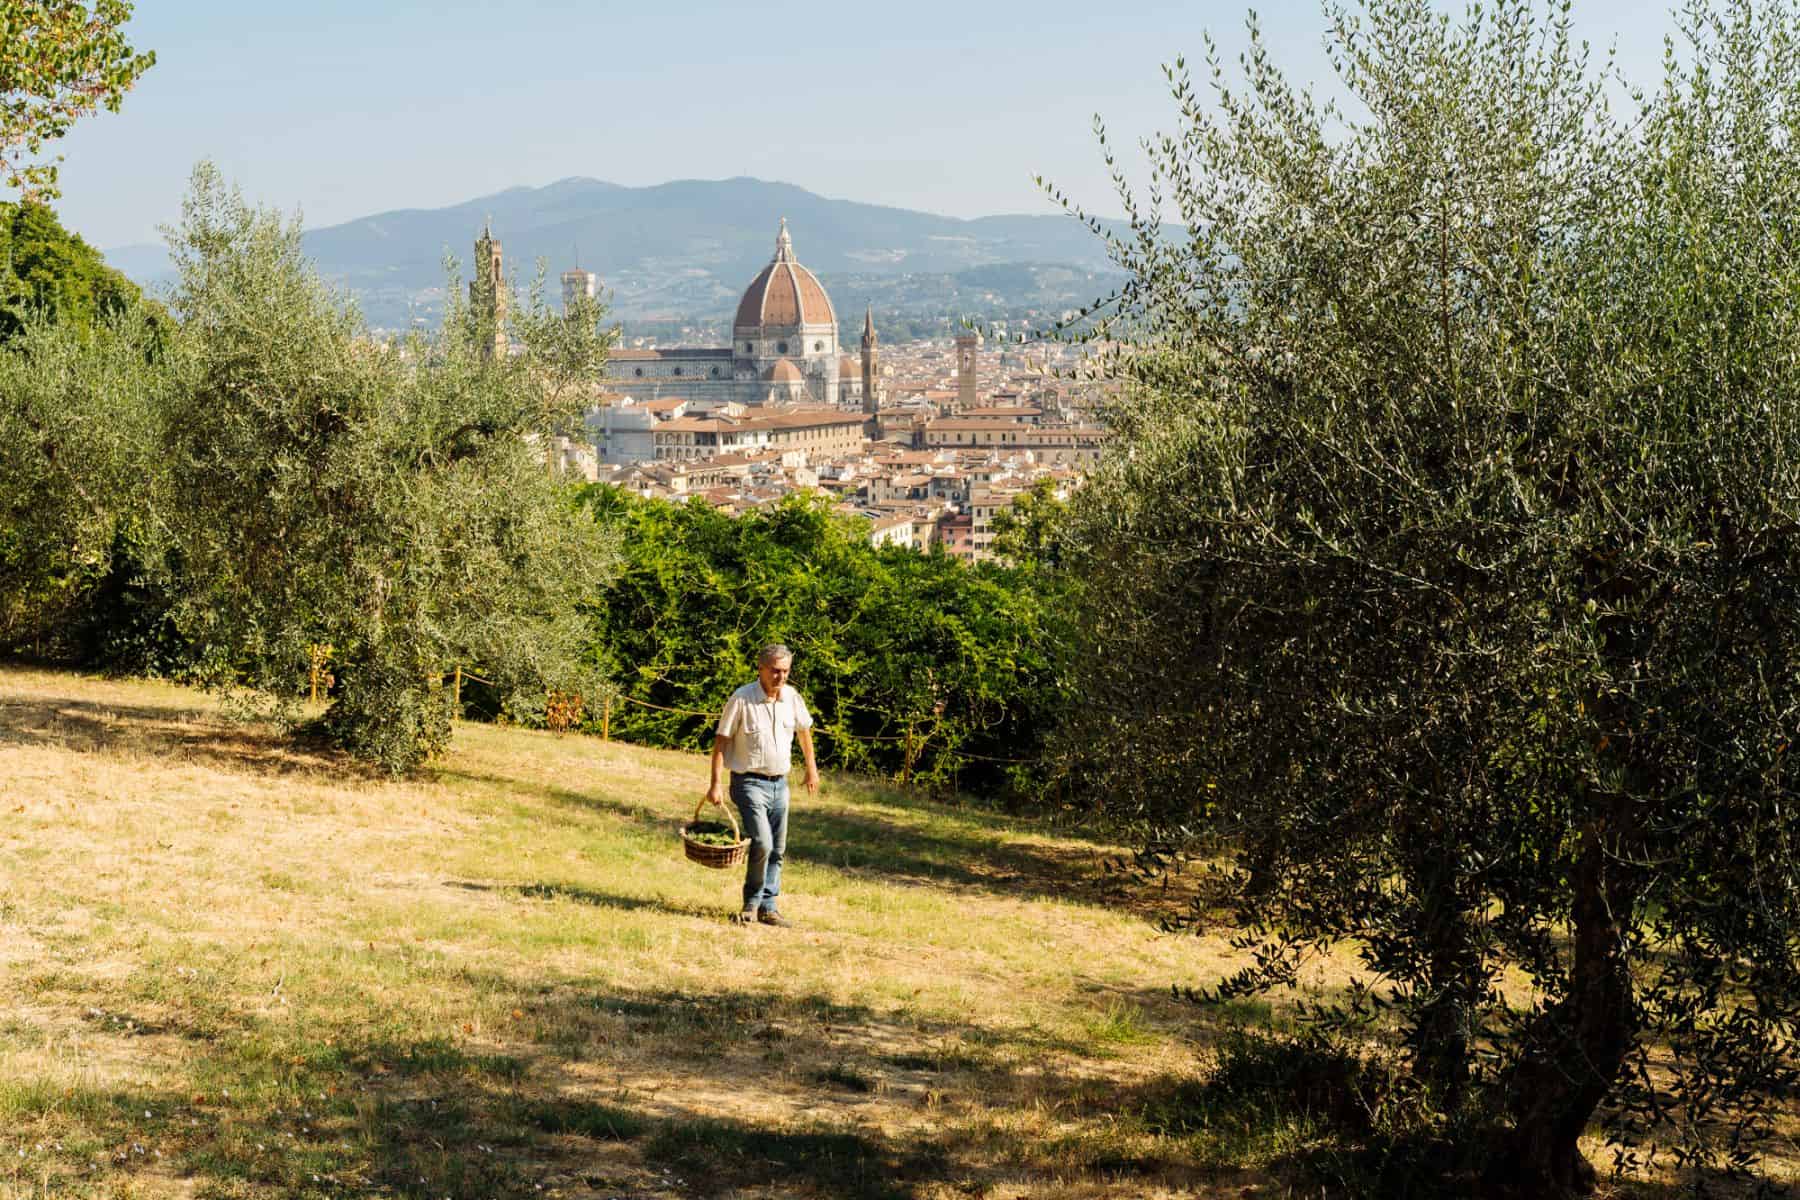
<point>343,108</point>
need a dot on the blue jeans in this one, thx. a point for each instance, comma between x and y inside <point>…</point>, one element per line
<point>762,805</point>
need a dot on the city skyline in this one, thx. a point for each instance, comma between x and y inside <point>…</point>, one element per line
<point>342,111</point>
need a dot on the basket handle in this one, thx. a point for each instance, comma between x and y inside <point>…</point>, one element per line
<point>737,831</point>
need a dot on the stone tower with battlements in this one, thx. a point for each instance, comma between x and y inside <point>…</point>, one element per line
<point>577,284</point>
<point>487,291</point>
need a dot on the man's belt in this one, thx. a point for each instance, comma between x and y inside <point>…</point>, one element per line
<point>759,775</point>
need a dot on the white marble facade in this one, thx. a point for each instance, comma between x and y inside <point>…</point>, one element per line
<point>784,347</point>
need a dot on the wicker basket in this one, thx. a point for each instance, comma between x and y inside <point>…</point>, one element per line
<point>717,857</point>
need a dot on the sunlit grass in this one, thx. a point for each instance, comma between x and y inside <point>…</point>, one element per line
<point>232,965</point>
<point>232,968</point>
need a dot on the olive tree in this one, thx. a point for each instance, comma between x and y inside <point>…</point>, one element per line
<point>1445,573</point>
<point>386,507</point>
<point>79,409</point>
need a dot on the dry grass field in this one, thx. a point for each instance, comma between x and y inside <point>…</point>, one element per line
<point>231,968</point>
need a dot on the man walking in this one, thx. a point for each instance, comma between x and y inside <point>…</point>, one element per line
<point>755,741</point>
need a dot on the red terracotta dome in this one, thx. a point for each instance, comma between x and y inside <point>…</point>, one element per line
<point>784,371</point>
<point>784,294</point>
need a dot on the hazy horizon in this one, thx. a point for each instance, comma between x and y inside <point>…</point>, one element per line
<point>343,110</point>
<point>156,239</point>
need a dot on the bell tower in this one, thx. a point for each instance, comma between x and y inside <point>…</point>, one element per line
<point>966,345</point>
<point>871,402</point>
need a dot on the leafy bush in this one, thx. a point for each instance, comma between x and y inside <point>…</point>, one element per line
<point>912,664</point>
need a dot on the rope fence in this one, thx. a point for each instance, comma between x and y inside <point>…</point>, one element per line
<point>823,732</point>
<point>319,679</point>
<point>606,722</point>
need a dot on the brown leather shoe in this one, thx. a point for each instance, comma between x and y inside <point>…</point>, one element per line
<point>747,917</point>
<point>769,916</point>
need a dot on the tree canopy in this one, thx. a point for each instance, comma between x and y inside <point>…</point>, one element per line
<point>78,347</point>
<point>915,665</point>
<point>45,268</point>
<point>60,60</point>
<point>1445,576</point>
<point>388,501</point>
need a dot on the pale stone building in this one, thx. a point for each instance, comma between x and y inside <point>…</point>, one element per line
<point>809,432</point>
<point>578,284</point>
<point>1078,446</point>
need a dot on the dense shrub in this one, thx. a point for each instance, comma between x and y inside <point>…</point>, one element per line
<point>893,649</point>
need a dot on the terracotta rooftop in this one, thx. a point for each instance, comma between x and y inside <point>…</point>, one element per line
<point>784,371</point>
<point>976,423</point>
<point>802,418</point>
<point>1013,411</point>
<point>658,355</point>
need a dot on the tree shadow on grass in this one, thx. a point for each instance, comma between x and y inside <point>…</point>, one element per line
<point>266,1111</point>
<point>577,894</point>
<point>1333,1124</point>
<point>174,732</point>
<point>960,852</point>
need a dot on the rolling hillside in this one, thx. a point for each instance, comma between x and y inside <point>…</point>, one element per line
<point>688,248</point>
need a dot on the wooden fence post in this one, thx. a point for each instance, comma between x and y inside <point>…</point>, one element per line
<point>606,718</point>
<point>457,693</point>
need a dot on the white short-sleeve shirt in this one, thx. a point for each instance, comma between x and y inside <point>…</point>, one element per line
<point>761,729</point>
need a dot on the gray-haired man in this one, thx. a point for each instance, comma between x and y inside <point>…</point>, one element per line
<point>755,741</point>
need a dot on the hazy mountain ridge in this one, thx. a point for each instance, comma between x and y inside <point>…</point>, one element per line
<point>688,248</point>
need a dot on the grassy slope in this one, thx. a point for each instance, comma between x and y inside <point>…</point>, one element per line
<point>228,968</point>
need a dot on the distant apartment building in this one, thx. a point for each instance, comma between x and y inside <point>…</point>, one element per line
<point>1075,445</point>
<point>983,504</point>
<point>621,428</point>
<point>817,432</point>
<point>955,533</point>
<point>893,530</point>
